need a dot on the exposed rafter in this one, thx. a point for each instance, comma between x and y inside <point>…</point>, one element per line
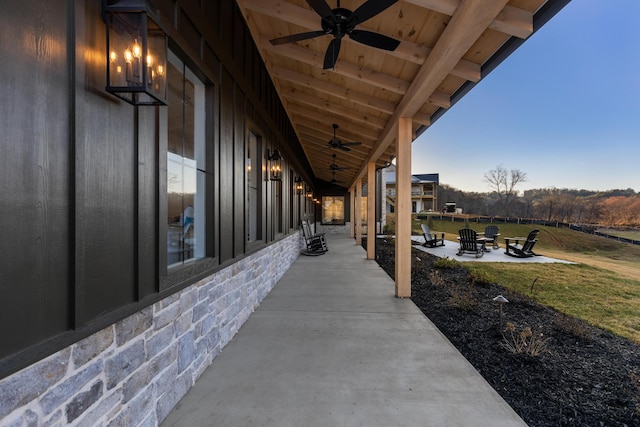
<point>443,47</point>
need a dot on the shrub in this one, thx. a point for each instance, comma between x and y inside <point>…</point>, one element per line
<point>480,276</point>
<point>445,263</point>
<point>436,279</point>
<point>524,342</point>
<point>463,297</point>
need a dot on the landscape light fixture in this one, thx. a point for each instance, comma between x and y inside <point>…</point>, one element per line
<point>500,300</point>
<point>275,165</point>
<point>136,52</point>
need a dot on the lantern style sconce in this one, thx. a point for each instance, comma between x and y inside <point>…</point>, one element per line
<point>136,53</point>
<point>299,186</point>
<point>309,193</point>
<point>275,165</point>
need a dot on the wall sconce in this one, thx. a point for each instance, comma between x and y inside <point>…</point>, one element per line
<point>309,193</point>
<point>275,165</point>
<point>136,53</point>
<point>299,186</point>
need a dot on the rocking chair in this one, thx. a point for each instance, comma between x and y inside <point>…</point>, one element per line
<point>470,243</point>
<point>431,240</point>
<point>524,249</point>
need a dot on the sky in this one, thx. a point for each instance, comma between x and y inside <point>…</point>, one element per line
<point>564,108</point>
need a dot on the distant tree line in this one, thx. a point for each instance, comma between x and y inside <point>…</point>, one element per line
<point>616,208</point>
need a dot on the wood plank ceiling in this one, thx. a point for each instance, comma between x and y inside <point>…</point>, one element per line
<point>443,45</point>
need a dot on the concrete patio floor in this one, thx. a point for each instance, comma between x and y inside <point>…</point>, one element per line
<point>450,250</point>
<point>332,346</point>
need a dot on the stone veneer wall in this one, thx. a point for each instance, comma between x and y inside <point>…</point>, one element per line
<point>135,371</point>
<point>342,230</point>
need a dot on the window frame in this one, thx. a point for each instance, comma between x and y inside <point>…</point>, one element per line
<point>259,168</point>
<point>172,274</point>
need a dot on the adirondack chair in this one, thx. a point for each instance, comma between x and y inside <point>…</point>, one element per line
<point>431,239</point>
<point>470,242</point>
<point>316,243</point>
<point>522,247</point>
<point>491,234</point>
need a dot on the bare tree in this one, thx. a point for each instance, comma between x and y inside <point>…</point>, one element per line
<point>503,183</point>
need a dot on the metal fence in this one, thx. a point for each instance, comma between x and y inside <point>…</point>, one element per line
<point>509,220</point>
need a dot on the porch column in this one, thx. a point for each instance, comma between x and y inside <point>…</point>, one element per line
<point>403,209</point>
<point>352,203</point>
<point>371,210</point>
<point>358,212</point>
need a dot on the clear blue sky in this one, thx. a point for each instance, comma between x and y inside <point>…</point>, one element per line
<point>564,108</point>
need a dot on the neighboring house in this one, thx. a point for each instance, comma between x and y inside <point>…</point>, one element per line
<point>424,191</point>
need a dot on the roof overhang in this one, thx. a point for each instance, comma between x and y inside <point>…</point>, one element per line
<point>446,47</point>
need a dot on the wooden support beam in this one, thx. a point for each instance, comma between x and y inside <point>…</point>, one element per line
<point>407,51</point>
<point>512,21</point>
<point>325,106</point>
<point>358,212</point>
<point>403,209</point>
<point>371,210</point>
<point>352,201</point>
<point>468,23</point>
<point>341,92</point>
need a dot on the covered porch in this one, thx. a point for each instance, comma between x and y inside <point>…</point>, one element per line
<point>332,345</point>
<point>357,100</point>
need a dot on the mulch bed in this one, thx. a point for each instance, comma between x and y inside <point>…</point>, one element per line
<point>583,376</point>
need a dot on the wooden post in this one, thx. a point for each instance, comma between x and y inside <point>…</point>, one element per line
<point>371,210</point>
<point>358,212</point>
<point>403,209</point>
<point>352,201</point>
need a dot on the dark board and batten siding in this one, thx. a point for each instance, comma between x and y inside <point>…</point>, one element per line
<point>82,174</point>
<point>36,161</point>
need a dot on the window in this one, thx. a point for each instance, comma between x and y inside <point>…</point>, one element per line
<point>186,167</point>
<point>253,179</point>
<point>333,210</point>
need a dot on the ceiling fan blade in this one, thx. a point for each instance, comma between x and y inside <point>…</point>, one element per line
<point>350,144</point>
<point>321,7</point>
<point>369,9</point>
<point>344,147</point>
<point>296,37</point>
<point>374,39</point>
<point>331,56</point>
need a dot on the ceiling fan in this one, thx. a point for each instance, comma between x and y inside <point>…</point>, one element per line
<point>336,168</point>
<point>336,143</point>
<point>339,22</point>
<point>334,180</point>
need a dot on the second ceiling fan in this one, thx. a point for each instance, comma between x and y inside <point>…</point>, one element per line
<point>336,143</point>
<point>339,22</point>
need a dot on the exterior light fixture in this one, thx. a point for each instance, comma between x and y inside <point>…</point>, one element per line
<point>275,165</point>
<point>299,186</point>
<point>500,300</point>
<point>136,53</point>
<point>309,193</point>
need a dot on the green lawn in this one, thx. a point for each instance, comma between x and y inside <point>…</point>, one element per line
<point>603,288</point>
